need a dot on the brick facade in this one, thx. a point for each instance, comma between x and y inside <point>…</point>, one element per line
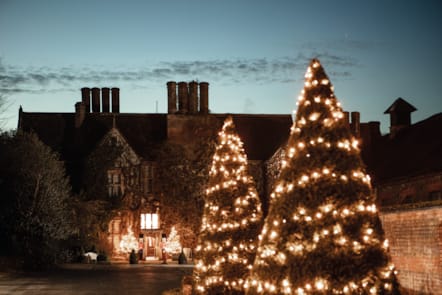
<point>415,237</point>
<point>411,190</point>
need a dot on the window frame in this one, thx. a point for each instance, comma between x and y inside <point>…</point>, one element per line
<point>150,221</point>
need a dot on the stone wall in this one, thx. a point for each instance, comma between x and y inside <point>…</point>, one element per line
<point>415,237</point>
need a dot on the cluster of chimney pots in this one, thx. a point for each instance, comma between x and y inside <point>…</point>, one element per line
<point>187,98</point>
<point>93,105</point>
<point>188,102</point>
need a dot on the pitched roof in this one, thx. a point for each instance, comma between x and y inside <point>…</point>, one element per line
<point>400,106</point>
<point>414,150</point>
<point>262,135</point>
<point>58,130</point>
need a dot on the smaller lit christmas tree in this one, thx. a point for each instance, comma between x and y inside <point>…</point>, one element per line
<point>128,242</point>
<point>231,221</point>
<point>173,245</point>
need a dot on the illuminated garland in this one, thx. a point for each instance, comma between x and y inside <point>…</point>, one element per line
<point>323,234</point>
<point>232,220</point>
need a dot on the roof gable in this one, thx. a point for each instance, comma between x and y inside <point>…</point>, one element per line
<point>400,106</point>
<point>128,155</point>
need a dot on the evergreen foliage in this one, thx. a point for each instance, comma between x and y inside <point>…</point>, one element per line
<point>323,234</point>
<point>231,221</point>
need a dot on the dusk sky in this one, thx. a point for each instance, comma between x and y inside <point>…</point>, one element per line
<point>253,53</point>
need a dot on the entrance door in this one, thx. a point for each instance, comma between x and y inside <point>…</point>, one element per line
<point>150,243</point>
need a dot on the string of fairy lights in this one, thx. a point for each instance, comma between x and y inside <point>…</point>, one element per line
<point>232,205</point>
<point>342,222</point>
<point>319,114</point>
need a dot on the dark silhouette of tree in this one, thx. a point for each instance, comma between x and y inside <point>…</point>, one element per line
<point>231,220</point>
<point>3,107</point>
<point>34,200</point>
<point>323,234</point>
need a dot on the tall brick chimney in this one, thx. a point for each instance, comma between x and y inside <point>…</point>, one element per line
<point>80,113</point>
<point>204,98</point>
<point>370,132</point>
<point>347,118</point>
<point>193,97</point>
<point>105,99</point>
<point>115,100</point>
<point>355,123</point>
<point>171,97</point>
<point>86,98</point>
<point>183,100</point>
<point>96,100</point>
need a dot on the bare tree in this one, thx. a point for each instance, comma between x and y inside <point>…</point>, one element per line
<point>34,199</point>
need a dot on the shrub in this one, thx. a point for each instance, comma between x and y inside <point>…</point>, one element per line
<point>182,258</point>
<point>133,257</point>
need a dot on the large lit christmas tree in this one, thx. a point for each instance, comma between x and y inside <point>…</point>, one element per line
<point>232,220</point>
<point>323,234</point>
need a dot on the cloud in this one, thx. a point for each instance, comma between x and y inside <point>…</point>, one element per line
<point>15,79</point>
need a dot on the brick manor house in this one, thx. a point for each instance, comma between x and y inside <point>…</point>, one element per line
<point>405,165</point>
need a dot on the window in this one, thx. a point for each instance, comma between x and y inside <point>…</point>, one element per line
<point>150,221</point>
<point>114,182</point>
<point>148,172</point>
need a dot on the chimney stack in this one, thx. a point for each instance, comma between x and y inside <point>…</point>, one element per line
<point>400,115</point>
<point>115,100</point>
<point>86,98</point>
<point>204,98</point>
<point>347,118</point>
<point>193,97</point>
<point>355,123</point>
<point>105,99</point>
<point>96,100</point>
<point>183,100</point>
<point>171,97</point>
<point>80,113</point>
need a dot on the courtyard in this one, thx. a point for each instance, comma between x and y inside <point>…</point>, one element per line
<point>82,279</point>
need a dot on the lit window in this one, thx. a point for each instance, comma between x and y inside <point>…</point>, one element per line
<point>150,221</point>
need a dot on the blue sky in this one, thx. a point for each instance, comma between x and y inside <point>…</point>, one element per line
<point>253,53</point>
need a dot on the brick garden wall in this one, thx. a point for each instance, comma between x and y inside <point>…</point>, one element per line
<point>415,238</point>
